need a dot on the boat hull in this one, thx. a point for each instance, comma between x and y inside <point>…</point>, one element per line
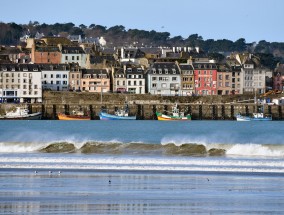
<point>106,116</point>
<point>241,118</point>
<point>62,116</point>
<point>165,117</point>
<point>33,116</point>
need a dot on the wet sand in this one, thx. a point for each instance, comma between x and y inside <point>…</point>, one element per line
<point>115,192</point>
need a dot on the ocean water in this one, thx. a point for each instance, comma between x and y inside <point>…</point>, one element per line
<point>141,167</point>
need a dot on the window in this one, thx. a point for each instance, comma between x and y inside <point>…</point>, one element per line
<point>78,57</point>
<point>66,57</point>
<point>58,82</point>
<point>140,83</point>
<point>154,85</point>
<point>51,76</point>
<point>35,86</point>
<point>154,78</point>
<point>129,83</point>
<point>117,82</point>
<point>58,76</point>
<point>164,85</point>
<point>174,78</point>
<point>73,57</point>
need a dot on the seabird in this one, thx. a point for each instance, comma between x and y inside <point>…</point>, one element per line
<point>50,172</point>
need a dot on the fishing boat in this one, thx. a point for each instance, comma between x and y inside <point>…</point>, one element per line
<point>119,114</point>
<point>76,115</point>
<point>254,117</point>
<point>21,114</point>
<point>176,114</point>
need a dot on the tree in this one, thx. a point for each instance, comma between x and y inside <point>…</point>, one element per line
<point>92,26</point>
<point>82,26</point>
<point>240,45</point>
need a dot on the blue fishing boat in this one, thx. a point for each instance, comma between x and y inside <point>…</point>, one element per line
<point>119,114</point>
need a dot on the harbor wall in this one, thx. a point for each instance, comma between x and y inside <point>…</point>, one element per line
<point>145,106</point>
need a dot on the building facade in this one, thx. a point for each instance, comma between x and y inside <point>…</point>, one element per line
<point>164,79</point>
<point>20,83</point>
<point>187,79</point>
<point>55,77</point>
<point>205,78</point>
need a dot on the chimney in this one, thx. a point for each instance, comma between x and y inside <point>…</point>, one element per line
<point>122,53</point>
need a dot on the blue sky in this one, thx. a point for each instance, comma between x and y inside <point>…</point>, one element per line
<point>253,20</point>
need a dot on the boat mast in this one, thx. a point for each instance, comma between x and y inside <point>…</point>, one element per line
<point>101,87</point>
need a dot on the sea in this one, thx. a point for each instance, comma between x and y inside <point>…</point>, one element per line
<point>141,167</point>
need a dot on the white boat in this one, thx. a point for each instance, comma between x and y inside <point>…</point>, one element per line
<point>21,114</point>
<point>254,117</point>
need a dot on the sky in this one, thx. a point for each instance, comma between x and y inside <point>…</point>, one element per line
<point>253,20</point>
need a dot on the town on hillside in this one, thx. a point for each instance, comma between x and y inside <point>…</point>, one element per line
<point>88,65</point>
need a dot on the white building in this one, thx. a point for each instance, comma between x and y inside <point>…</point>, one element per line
<point>55,77</point>
<point>20,83</point>
<point>253,78</point>
<point>164,79</point>
<point>135,79</point>
<point>73,55</point>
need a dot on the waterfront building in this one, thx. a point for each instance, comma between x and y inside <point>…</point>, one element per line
<point>55,77</point>
<point>95,80</point>
<point>164,79</point>
<point>205,78</point>
<point>224,80</point>
<point>135,79</point>
<point>20,83</point>
<point>118,80</point>
<point>75,76</point>
<point>187,79</point>
<point>254,77</point>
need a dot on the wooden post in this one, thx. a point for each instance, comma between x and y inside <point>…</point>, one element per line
<point>54,112</point>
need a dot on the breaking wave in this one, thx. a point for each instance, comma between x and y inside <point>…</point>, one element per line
<point>167,148</point>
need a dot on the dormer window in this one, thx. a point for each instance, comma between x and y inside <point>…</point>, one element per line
<point>4,68</point>
<point>166,71</point>
<point>154,71</point>
<point>139,70</point>
<point>160,71</point>
<point>13,69</point>
<point>129,69</point>
<point>35,69</point>
<point>174,71</point>
<point>25,69</point>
